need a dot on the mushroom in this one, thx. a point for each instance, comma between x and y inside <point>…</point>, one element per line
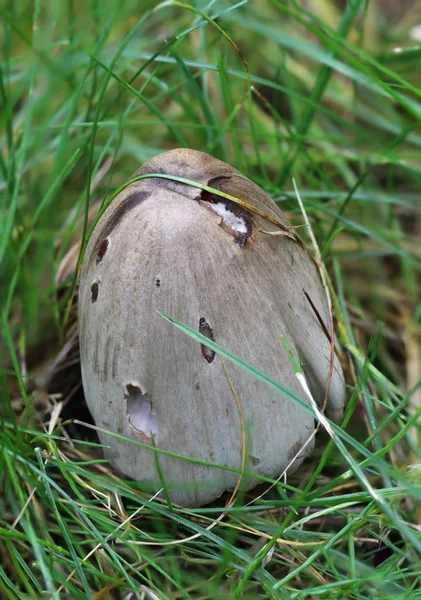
<point>167,246</point>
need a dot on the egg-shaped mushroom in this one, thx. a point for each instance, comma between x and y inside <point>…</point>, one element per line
<point>233,274</point>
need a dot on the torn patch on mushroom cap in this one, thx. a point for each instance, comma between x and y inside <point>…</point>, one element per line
<point>236,223</point>
<point>139,411</point>
<point>235,220</point>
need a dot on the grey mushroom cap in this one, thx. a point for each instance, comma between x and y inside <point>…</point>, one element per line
<point>165,246</point>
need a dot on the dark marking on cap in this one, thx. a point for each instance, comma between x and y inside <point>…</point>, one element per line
<point>95,360</point>
<point>114,370</point>
<point>318,316</point>
<point>157,282</point>
<point>116,216</point>
<point>94,291</point>
<point>206,330</point>
<point>107,353</point>
<point>216,181</point>
<point>207,196</point>
<point>103,247</point>
<point>295,451</point>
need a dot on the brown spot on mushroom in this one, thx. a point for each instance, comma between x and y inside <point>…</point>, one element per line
<point>94,291</point>
<point>157,282</point>
<point>123,210</point>
<point>114,370</point>
<point>116,216</point>
<point>107,352</point>
<point>216,181</point>
<point>295,450</point>
<point>254,460</point>
<point>139,410</point>
<point>206,330</point>
<point>103,247</point>
<point>95,361</point>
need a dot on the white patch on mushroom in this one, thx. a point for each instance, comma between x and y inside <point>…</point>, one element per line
<point>236,223</point>
<point>139,411</point>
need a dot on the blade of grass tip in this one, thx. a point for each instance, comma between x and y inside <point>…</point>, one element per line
<point>322,79</point>
<point>329,241</point>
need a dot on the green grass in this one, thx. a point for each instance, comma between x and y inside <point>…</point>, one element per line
<point>281,90</point>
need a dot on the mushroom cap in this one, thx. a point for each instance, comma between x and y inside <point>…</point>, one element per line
<point>165,246</point>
